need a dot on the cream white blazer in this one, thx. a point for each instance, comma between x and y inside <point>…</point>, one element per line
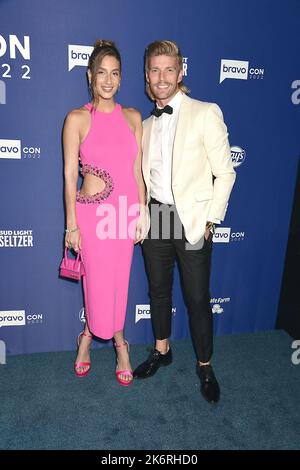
<point>201,151</point>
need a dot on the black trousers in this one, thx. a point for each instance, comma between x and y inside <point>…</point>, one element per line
<point>165,244</point>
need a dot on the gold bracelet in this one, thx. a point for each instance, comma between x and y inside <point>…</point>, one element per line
<point>69,230</point>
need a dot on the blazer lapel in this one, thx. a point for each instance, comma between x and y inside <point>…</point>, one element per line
<point>181,131</point>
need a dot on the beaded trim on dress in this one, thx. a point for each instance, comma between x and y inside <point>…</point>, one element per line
<point>102,195</point>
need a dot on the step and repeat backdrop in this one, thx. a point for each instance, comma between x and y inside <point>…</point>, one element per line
<point>242,55</point>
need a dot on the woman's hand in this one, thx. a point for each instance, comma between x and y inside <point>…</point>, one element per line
<point>73,239</point>
<point>143,225</point>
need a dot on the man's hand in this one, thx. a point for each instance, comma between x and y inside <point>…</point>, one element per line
<point>209,230</point>
<point>142,226</point>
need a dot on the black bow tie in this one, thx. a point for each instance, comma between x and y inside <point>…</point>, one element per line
<point>158,111</point>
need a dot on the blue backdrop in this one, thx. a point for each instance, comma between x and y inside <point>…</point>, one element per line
<point>242,55</point>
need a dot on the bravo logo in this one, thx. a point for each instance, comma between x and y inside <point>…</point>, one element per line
<point>12,318</point>
<point>78,55</point>
<point>239,69</point>
<point>226,235</point>
<point>142,312</point>
<point>13,149</point>
<point>222,235</point>
<point>238,156</point>
<point>10,148</point>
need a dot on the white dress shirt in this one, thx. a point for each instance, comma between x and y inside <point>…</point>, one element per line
<point>161,152</point>
<point>164,128</point>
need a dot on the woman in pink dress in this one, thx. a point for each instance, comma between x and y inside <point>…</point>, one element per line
<point>108,215</point>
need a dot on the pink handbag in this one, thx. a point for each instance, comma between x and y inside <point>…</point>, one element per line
<point>72,268</point>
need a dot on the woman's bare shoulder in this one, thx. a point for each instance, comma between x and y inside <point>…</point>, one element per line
<point>133,115</point>
<point>78,116</point>
<point>133,112</point>
<point>78,113</point>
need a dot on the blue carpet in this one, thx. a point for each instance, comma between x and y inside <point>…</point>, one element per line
<point>44,406</point>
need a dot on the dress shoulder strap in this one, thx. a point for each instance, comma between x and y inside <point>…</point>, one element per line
<point>88,106</point>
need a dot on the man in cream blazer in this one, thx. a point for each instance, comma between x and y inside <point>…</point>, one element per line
<point>189,176</point>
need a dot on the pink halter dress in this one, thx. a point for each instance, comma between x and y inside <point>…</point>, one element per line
<point>107,220</point>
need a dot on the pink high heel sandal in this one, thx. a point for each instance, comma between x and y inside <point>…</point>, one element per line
<point>82,364</point>
<point>127,373</point>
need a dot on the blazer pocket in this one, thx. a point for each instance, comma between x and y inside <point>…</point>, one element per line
<point>204,194</point>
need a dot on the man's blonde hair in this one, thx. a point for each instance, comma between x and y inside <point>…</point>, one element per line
<point>164,47</point>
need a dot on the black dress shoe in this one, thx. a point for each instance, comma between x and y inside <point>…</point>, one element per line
<point>152,364</point>
<point>209,385</point>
